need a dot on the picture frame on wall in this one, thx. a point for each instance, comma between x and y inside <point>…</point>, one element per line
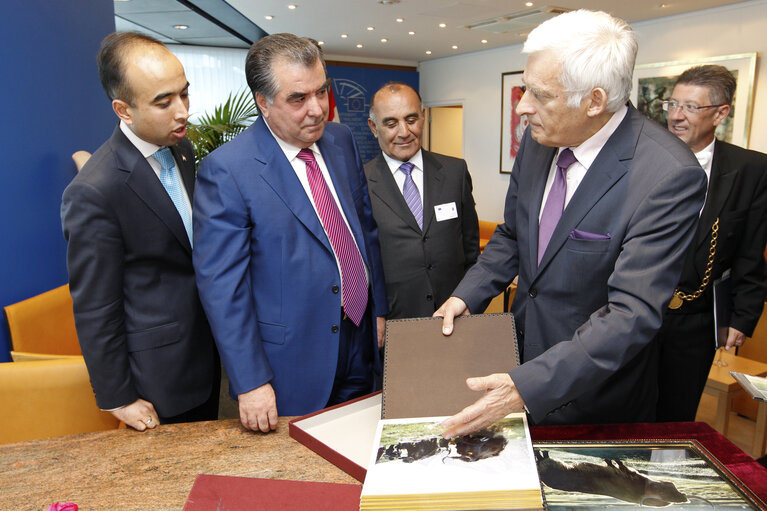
<point>512,125</point>
<point>653,83</point>
<point>638,473</point>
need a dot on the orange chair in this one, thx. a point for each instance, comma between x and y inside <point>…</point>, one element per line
<point>48,398</point>
<point>486,230</point>
<point>44,324</point>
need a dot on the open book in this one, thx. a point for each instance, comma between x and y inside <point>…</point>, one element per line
<point>413,467</point>
<point>754,385</point>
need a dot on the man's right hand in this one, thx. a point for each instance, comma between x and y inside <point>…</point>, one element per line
<point>453,307</point>
<point>258,409</point>
<point>139,415</point>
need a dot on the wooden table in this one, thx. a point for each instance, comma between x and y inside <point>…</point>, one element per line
<point>724,387</point>
<point>127,470</point>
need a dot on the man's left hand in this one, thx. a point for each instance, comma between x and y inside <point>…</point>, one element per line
<point>501,398</point>
<point>381,330</point>
<point>735,338</point>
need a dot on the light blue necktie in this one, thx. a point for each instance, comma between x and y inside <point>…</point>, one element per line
<point>410,192</point>
<point>172,182</point>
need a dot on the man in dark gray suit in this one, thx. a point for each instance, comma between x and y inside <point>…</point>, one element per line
<point>127,217</point>
<point>422,203</point>
<point>601,206</point>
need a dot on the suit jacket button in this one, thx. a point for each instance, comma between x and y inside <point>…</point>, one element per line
<point>533,293</point>
<point>334,329</point>
<point>334,289</point>
<point>426,238</point>
<point>429,298</point>
<point>430,267</point>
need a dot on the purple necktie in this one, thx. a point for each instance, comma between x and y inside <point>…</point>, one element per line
<point>555,203</point>
<point>354,286</point>
<point>410,192</point>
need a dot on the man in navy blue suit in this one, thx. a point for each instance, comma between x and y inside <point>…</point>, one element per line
<point>602,204</point>
<point>286,249</point>
<point>146,341</point>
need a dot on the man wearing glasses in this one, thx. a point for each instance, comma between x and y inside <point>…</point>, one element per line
<point>731,236</point>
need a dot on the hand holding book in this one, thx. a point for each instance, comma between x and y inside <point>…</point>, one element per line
<point>500,399</point>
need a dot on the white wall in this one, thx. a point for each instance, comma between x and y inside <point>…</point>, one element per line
<point>474,80</point>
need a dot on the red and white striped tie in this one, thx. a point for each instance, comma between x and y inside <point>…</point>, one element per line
<point>354,287</point>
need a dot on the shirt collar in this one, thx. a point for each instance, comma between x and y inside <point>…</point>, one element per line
<point>588,151</point>
<point>704,155</point>
<point>290,150</point>
<point>146,149</point>
<point>394,164</point>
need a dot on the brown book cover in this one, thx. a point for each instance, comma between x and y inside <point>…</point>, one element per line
<point>229,493</point>
<point>425,372</point>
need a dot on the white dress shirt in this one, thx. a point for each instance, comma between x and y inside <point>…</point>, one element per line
<point>416,173</point>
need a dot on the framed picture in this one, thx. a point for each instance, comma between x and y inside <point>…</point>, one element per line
<point>653,83</point>
<point>512,125</point>
<point>606,475</point>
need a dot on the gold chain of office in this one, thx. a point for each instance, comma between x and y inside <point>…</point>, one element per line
<point>680,297</point>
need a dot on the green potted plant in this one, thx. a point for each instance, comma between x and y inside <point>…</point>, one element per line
<point>225,122</point>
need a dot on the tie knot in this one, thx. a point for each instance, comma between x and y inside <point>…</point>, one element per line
<point>407,168</point>
<point>306,155</point>
<point>165,158</point>
<point>566,158</point>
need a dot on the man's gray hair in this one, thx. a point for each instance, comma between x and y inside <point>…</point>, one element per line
<point>264,52</point>
<point>594,49</point>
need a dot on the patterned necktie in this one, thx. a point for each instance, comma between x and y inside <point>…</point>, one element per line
<point>354,287</point>
<point>172,182</point>
<point>555,203</point>
<point>410,192</point>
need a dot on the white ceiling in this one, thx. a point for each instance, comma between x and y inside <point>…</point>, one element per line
<point>326,20</point>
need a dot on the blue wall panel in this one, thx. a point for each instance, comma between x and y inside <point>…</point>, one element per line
<point>52,105</point>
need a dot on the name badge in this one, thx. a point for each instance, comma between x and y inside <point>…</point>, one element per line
<point>445,211</point>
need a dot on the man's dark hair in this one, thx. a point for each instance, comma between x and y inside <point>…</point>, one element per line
<point>720,82</point>
<point>393,86</point>
<point>263,53</point>
<point>113,50</point>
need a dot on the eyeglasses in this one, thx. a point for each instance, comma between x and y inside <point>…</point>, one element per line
<point>670,106</point>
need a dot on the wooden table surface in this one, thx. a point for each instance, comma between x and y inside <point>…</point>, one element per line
<point>127,470</point>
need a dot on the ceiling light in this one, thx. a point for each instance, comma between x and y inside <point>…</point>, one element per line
<point>292,6</point>
<point>180,27</point>
<point>662,6</point>
<point>428,52</point>
<point>386,2</point>
<point>442,25</point>
<point>359,46</point>
<point>370,29</point>
<point>269,17</point>
<point>529,4</point>
<point>344,36</point>
<point>320,43</point>
<point>400,20</point>
<point>483,41</point>
<point>412,32</point>
<point>384,40</point>
<point>455,47</point>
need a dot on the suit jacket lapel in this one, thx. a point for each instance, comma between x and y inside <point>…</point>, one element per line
<point>609,166</point>
<point>279,175</point>
<point>144,183</point>
<point>542,160</point>
<point>720,184</point>
<point>433,180</point>
<point>385,188</point>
